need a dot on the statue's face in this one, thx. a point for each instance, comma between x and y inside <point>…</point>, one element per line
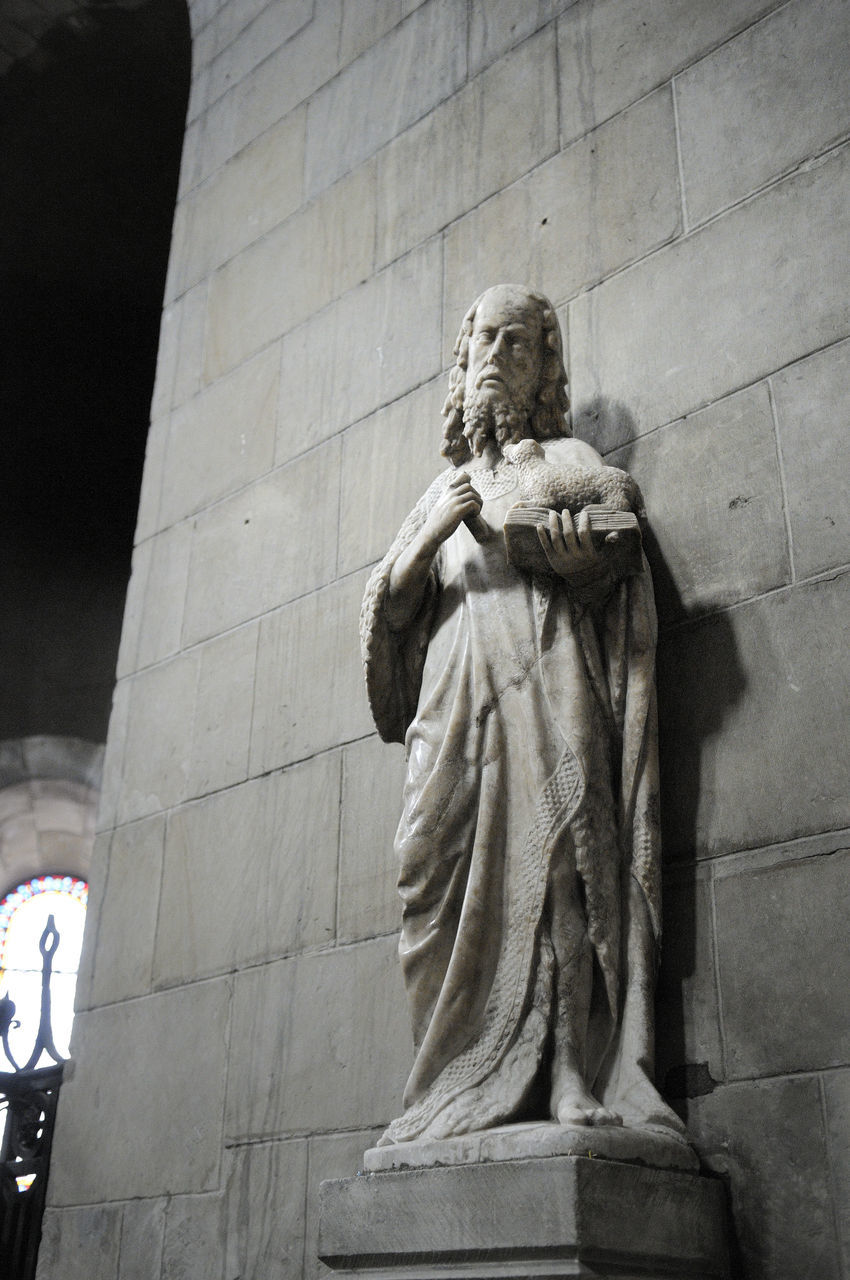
<point>505,348</point>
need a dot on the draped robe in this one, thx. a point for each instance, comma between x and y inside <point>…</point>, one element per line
<point>530,729</point>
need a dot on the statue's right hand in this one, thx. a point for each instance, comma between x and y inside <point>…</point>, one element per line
<point>457,501</point>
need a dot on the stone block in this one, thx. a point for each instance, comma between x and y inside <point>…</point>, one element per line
<point>338,1155</point>
<point>147,518</point>
<point>619,186</point>
<point>687,1024</point>
<point>175,274</point>
<point>752,725</point>
<point>43,756</point>
<point>267,544</point>
<point>80,1244</point>
<point>291,74</point>
<point>230,20</point>
<point>205,25</point>
<point>363,25</point>
<point>805,905</point>
<point>190,355</point>
<point>766,1141</point>
<point>601,72</point>
<point>62,849</point>
<point>304,1038</point>
<point>267,852</point>
<point>153,616</point>
<point>215,140</point>
<point>497,128</point>
<point>113,760</point>
<point>161,705</point>
<point>764,102</point>
<point>772,855</point>
<point>166,359</point>
<point>367,349</point>
<point>714,497</point>
<point>306,262</point>
<point>266,1186</point>
<point>537,1140</point>
<point>205,46</point>
<point>15,800</point>
<point>388,462</point>
<point>141,1151</point>
<point>270,91</point>
<point>393,84</point>
<point>134,608</point>
<point>222,439</point>
<point>193,1248</point>
<point>372,781</point>
<point>252,193</point>
<point>837,1093</point>
<point>268,30</point>
<point>142,1234</point>
<point>739,299</point>
<point>199,88</point>
<point>501,24</point>
<point>310,693</point>
<point>60,805</point>
<point>190,163</point>
<point>48,804</point>
<point>128,911</point>
<point>561,1216</point>
<point>18,836</point>
<point>221,729</point>
<point>203,12</point>
<point>814,441</point>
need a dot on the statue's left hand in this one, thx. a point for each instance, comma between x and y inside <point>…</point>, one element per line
<point>569,546</point>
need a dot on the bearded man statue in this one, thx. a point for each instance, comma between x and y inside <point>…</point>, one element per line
<point>528,848</point>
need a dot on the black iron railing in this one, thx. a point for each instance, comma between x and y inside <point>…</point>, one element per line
<point>28,1098</point>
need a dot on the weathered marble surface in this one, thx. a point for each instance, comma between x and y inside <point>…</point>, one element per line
<point>660,1148</point>
<point>540,1218</point>
<point>528,850</point>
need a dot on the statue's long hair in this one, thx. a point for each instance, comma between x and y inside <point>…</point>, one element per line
<point>549,416</point>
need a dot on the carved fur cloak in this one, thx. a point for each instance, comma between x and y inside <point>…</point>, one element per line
<point>530,728</point>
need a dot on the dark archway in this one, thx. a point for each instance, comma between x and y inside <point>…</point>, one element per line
<point>92,123</point>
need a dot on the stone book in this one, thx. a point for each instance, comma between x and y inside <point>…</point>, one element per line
<point>623,553</point>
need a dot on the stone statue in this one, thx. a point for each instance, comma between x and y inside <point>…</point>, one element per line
<point>524,691</point>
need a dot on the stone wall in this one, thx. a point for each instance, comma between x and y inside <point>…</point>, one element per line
<point>674,174</point>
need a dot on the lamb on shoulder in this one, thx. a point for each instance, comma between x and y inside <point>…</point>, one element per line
<point>571,486</point>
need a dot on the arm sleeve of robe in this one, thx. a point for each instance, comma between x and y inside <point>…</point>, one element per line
<point>393,660</point>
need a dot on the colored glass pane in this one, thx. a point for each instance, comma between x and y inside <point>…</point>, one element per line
<point>24,913</point>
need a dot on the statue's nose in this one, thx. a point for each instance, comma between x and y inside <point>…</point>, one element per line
<point>497,348</point>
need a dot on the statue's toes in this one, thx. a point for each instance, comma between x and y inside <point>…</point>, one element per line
<point>601,1115</point>
<point>573,1116</point>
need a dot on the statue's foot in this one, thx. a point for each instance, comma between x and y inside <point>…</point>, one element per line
<point>575,1106</point>
<point>644,1108</point>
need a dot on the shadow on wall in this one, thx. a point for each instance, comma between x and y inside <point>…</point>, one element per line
<point>700,682</point>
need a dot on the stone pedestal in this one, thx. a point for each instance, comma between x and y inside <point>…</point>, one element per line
<point>565,1215</point>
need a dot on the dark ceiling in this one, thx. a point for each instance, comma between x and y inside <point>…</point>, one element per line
<point>91,117</point>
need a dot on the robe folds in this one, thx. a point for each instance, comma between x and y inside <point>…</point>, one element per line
<point>529,723</point>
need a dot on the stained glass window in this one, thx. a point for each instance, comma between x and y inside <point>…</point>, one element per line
<point>24,914</point>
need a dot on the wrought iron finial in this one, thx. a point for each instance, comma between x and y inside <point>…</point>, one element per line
<point>7,1021</point>
<point>44,1042</point>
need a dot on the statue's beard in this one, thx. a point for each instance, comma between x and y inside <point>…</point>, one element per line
<point>504,420</point>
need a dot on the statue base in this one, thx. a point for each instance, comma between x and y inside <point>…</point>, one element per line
<point>546,1217</point>
<point>661,1148</point>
